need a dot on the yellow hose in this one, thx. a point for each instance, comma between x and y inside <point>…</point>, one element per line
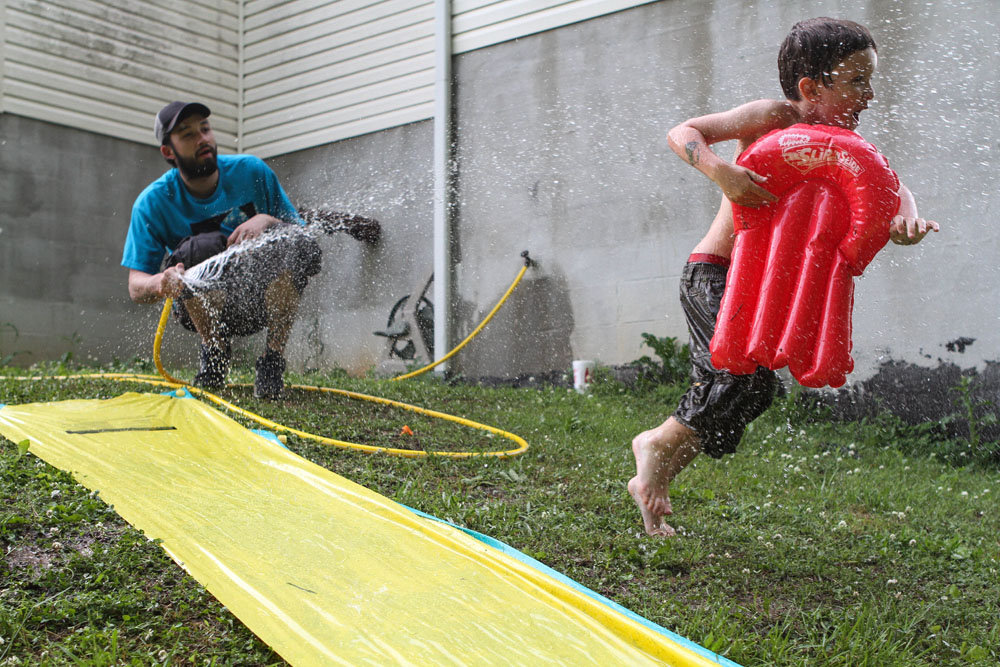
<point>158,341</point>
<point>170,381</point>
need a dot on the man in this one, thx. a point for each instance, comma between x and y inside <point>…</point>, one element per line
<point>197,209</point>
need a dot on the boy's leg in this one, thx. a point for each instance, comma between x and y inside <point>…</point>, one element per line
<point>660,454</point>
<point>664,451</point>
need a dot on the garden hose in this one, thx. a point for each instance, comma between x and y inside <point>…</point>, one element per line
<point>167,380</point>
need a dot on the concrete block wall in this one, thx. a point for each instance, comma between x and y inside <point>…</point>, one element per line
<point>65,201</point>
<point>387,176</point>
<point>560,150</point>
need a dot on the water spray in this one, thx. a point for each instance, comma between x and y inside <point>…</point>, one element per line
<point>273,243</point>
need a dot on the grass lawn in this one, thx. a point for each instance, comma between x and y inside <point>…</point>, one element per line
<point>818,543</point>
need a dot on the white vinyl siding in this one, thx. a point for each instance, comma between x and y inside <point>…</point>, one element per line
<point>107,66</point>
<point>480,23</point>
<point>279,75</point>
<point>316,72</point>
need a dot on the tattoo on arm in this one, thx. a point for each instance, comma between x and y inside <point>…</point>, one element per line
<point>691,148</point>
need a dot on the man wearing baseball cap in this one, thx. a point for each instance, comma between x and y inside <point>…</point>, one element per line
<point>205,203</point>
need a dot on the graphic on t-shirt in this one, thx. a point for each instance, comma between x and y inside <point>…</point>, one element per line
<point>231,219</point>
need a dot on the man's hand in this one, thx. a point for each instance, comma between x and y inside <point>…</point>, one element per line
<point>171,285</point>
<point>740,186</point>
<point>904,230</point>
<point>252,228</point>
<point>151,287</point>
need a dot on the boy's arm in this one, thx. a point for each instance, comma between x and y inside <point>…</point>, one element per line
<point>692,138</point>
<point>908,227</point>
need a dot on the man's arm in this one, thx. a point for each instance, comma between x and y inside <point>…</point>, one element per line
<point>149,287</point>
<point>691,140</point>
<point>908,227</point>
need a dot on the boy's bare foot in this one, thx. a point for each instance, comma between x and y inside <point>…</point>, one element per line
<point>652,497</point>
<point>651,518</point>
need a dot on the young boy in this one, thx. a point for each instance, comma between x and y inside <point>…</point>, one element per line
<point>825,68</point>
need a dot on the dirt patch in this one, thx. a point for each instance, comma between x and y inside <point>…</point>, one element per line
<point>30,556</point>
<point>41,559</point>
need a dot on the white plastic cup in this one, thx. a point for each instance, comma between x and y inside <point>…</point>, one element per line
<point>583,375</point>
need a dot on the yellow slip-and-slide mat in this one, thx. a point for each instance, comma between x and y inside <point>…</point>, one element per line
<point>323,570</point>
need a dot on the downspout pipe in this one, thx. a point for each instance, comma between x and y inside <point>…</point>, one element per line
<point>443,180</point>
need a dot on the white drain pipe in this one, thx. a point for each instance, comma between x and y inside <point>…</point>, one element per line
<point>443,186</point>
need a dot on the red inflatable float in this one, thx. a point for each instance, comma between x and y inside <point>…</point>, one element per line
<point>790,289</point>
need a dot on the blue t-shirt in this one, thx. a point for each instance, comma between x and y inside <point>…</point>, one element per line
<point>165,212</point>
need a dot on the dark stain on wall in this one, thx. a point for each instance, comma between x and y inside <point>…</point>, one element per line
<point>946,394</point>
<point>530,333</point>
<point>959,344</point>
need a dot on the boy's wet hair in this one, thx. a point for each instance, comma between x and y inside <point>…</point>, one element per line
<point>814,47</point>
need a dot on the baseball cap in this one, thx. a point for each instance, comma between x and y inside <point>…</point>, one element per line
<point>170,114</point>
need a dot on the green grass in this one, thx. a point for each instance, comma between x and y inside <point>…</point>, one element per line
<point>818,543</point>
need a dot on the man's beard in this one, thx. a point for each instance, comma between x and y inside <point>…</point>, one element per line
<point>192,168</point>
